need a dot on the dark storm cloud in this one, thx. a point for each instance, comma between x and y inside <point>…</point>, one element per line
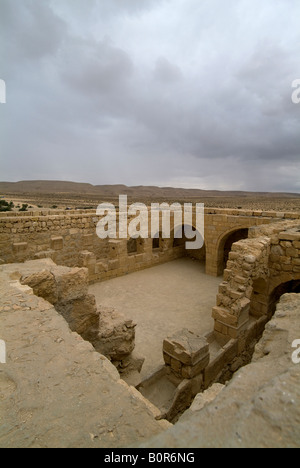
<point>97,69</point>
<point>166,72</point>
<point>183,93</point>
<point>29,31</point>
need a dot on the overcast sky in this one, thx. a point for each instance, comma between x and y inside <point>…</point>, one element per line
<point>186,93</point>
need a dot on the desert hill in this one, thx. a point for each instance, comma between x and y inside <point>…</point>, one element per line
<point>64,187</point>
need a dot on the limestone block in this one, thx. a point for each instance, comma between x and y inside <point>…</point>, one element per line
<point>203,399</point>
<point>88,260</point>
<point>71,283</point>
<point>290,236</point>
<point>223,316</point>
<point>131,261</point>
<point>116,338</point>
<point>189,372</point>
<point>87,240</point>
<point>139,258</point>
<point>45,254</point>
<point>223,288</point>
<point>20,247</point>
<point>113,265</point>
<point>235,294</point>
<point>82,316</point>
<point>227,275</point>
<point>43,284</point>
<point>116,248</point>
<point>224,357</point>
<point>277,251</point>
<point>176,366</point>
<point>167,358</point>
<point>186,347</point>
<point>57,243</point>
<point>101,268</point>
<point>292,252</point>
<point>244,305</point>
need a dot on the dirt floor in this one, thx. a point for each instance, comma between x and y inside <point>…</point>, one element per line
<point>162,300</point>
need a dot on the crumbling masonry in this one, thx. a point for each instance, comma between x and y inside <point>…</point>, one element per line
<point>62,254</point>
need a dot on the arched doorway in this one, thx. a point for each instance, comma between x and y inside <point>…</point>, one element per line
<point>264,298</point>
<point>285,288</point>
<point>225,246</point>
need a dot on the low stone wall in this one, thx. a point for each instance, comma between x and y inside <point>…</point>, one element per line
<point>270,257</point>
<point>72,241</point>
<point>109,331</point>
<point>283,266</point>
<point>55,390</point>
<point>260,406</point>
<point>246,302</point>
<point>248,260</point>
<point>66,237</point>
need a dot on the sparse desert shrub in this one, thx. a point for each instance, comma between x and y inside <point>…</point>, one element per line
<point>24,207</point>
<point>5,206</point>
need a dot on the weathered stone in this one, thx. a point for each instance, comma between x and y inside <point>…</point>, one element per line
<point>223,316</point>
<point>267,391</point>
<point>56,391</point>
<point>250,259</point>
<point>71,283</point>
<point>20,247</point>
<point>186,347</point>
<point>82,316</point>
<point>189,372</point>
<point>202,400</point>
<point>116,338</point>
<point>43,284</point>
<point>57,243</point>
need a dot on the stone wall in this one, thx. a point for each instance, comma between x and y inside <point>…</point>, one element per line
<point>259,271</point>
<point>109,331</point>
<point>283,267</point>
<point>260,406</point>
<point>55,390</point>
<point>69,238</point>
<point>248,260</point>
<point>256,267</point>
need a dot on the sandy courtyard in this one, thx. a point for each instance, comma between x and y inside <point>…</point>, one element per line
<point>162,300</point>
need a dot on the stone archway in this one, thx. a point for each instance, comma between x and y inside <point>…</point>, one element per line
<point>292,286</point>
<point>266,294</point>
<point>225,246</point>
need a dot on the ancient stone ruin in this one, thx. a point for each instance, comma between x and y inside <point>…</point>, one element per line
<point>72,376</point>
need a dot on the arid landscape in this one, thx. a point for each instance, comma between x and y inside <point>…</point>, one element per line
<point>71,195</point>
<point>149,226</point>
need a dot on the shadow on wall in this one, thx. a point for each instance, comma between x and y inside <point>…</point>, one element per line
<point>196,254</point>
<point>225,247</point>
<point>285,288</point>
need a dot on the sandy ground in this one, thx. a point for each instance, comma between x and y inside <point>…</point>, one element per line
<point>162,300</point>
